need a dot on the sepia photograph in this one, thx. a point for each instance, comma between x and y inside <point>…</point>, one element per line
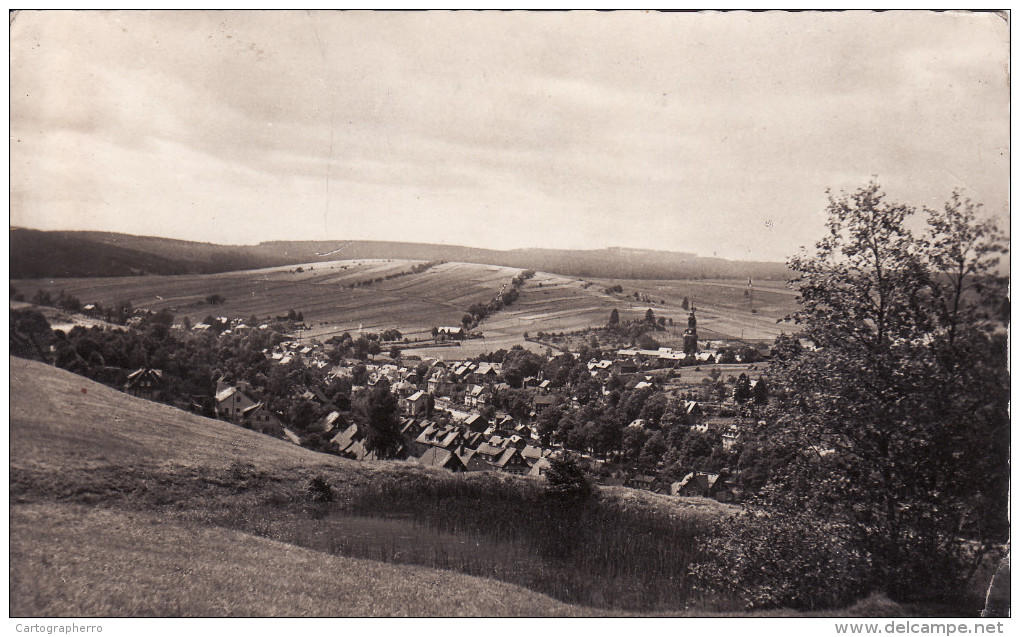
<point>692,315</point>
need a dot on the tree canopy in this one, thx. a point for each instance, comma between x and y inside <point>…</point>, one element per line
<point>896,422</point>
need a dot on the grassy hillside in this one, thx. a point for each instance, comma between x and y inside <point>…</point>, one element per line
<point>204,496</point>
<point>60,421</point>
<point>37,254</point>
<point>77,561</point>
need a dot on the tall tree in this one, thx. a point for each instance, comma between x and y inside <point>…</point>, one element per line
<point>378,410</point>
<point>896,421</point>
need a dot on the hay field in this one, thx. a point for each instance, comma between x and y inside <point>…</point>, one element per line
<point>415,303</point>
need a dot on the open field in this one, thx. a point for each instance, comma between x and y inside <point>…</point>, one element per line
<point>415,303</point>
<point>75,561</point>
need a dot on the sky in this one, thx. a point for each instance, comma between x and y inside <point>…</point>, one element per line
<point>712,133</point>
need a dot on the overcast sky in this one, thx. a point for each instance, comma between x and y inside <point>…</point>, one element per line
<point>710,133</point>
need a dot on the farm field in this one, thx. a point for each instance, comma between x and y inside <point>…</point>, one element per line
<point>415,303</point>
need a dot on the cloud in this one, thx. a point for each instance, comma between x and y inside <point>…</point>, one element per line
<point>675,131</point>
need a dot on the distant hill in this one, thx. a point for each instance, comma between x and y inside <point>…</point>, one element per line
<point>49,254</point>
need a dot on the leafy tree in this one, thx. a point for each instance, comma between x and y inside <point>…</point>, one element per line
<point>645,341</point>
<point>897,423</point>
<point>633,441</point>
<point>760,392</point>
<point>653,451</point>
<point>30,335</point>
<point>742,391</point>
<point>378,410</point>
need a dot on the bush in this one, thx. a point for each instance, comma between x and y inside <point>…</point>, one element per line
<point>782,559</point>
<point>319,490</point>
<point>567,479</point>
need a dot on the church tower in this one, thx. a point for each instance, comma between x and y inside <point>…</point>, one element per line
<point>691,334</point>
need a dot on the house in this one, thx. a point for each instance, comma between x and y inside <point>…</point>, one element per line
<point>623,366</point>
<point>731,437</point>
<point>490,453</point>
<point>472,460</point>
<point>331,421</point>
<point>145,383</point>
<point>473,438</point>
<point>693,409</point>
<point>641,481</point>
<point>441,459</point>
<point>475,422</point>
<point>476,396</point>
<point>432,436</point>
<point>698,484</point>
<point>291,436</point>
<point>259,418</point>
<point>451,332</point>
<point>350,444</point>
<point>511,461</point>
<point>439,384</point>
<point>411,428</point>
<point>540,468</point>
<point>542,401</point>
<point>533,454</point>
<point>415,404</point>
<point>486,373</point>
<point>231,402</point>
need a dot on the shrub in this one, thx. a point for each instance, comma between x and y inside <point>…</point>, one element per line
<point>782,559</point>
<point>567,480</point>
<point>319,490</point>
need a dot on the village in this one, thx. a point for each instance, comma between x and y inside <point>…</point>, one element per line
<point>672,421</point>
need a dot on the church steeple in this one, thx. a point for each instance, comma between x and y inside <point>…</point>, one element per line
<point>691,334</point>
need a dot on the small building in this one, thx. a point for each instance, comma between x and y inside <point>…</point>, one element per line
<point>511,461</point>
<point>441,459</point>
<point>542,401</point>
<point>350,444</point>
<point>145,383</point>
<point>698,484</point>
<point>332,421</point>
<point>259,418</point>
<point>533,454</point>
<point>475,422</point>
<point>473,461</point>
<point>231,402</point>
<point>415,404</point>
<point>641,481</point>
<point>540,467</point>
<point>731,437</point>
